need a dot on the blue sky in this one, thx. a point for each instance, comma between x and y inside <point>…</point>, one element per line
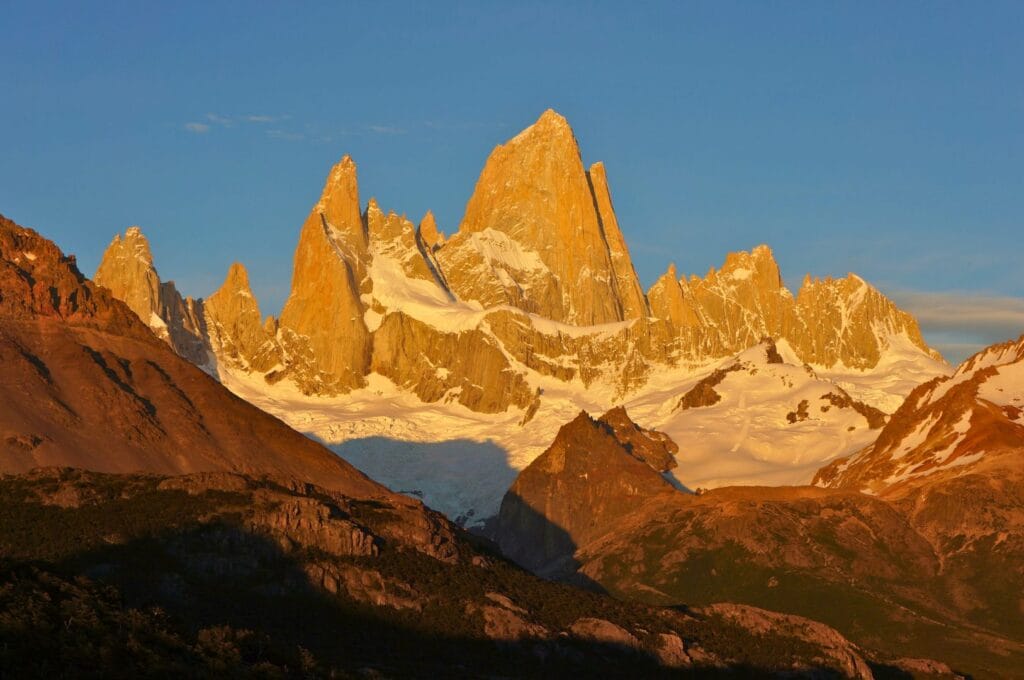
<point>882,138</point>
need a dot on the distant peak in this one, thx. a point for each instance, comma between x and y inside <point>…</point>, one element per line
<point>552,117</point>
<point>428,231</point>
<point>550,125</point>
<point>134,244</point>
<point>238,276</point>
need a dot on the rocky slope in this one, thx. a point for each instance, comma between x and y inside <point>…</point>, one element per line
<point>945,427</point>
<point>120,575</point>
<point>595,470</point>
<point>86,383</point>
<point>930,573</point>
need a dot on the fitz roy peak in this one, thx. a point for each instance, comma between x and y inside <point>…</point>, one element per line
<point>410,351</point>
<point>536,283</point>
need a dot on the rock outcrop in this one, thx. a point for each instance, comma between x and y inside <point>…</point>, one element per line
<point>594,472</point>
<point>236,332</point>
<point>127,270</point>
<point>322,328</point>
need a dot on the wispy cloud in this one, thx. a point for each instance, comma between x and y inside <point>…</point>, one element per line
<point>960,324</point>
<point>263,118</point>
<point>226,121</point>
<point>285,135</point>
<point>386,130</point>
<point>964,311</point>
<point>197,128</point>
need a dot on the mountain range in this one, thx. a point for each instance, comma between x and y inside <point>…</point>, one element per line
<point>404,457</point>
<point>154,524</point>
<point>528,312</point>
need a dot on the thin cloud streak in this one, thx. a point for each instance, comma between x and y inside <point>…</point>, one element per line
<point>960,324</point>
<point>226,121</point>
<point>264,119</point>
<point>387,130</point>
<point>285,135</point>
<point>197,128</point>
<point>964,311</point>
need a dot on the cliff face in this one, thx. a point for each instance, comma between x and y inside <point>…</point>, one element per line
<point>536,283</point>
<point>322,327</point>
<point>236,332</point>
<point>127,270</point>
<point>533,235</point>
<point>845,322</point>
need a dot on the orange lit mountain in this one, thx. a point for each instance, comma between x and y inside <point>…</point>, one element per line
<point>594,472</point>
<point>946,428</point>
<point>536,283</point>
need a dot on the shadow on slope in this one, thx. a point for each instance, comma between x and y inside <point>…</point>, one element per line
<point>163,583</point>
<point>462,478</point>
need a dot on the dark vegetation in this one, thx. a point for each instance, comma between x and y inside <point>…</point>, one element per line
<point>130,580</point>
<point>866,611</point>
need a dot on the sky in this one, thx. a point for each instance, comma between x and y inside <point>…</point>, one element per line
<point>881,138</point>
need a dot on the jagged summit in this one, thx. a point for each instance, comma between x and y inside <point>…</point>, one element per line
<point>538,235</point>
<point>127,270</point>
<point>339,203</point>
<point>234,327</point>
<point>550,127</point>
<point>428,232</point>
<point>537,283</point>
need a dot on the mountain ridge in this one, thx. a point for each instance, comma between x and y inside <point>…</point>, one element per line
<point>539,274</point>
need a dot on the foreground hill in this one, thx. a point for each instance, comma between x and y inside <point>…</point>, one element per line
<point>214,573</point>
<point>85,383</point>
<point>934,572</point>
<point>272,557</point>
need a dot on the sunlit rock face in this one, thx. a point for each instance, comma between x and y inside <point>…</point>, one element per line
<point>533,237</point>
<point>946,428</point>
<point>537,282</point>
<point>848,321</point>
<point>236,331</point>
<point>127,270</point>
<point>832,321</point>
<point>321,327</point>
